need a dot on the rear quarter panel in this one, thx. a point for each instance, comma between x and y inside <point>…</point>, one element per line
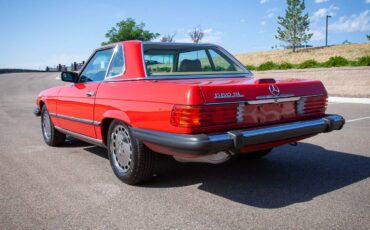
<point>143,104</point>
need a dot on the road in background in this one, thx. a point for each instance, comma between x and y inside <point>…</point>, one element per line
<point>322,183</point>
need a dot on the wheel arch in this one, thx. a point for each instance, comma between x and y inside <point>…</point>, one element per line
<point>41,104</point>
<point>108,118</point>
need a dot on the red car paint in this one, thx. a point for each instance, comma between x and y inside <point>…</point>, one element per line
<point>149,103</point>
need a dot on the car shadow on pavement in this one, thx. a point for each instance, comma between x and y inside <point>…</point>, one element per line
<point>74,143</point>
<point>288,175</point>
<point>101,152</point>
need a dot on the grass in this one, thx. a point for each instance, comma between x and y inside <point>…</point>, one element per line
<point>335,61</point>
<point>350,52</point>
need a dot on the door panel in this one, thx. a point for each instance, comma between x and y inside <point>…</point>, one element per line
<point>75,106</point>
<point>75,109</point>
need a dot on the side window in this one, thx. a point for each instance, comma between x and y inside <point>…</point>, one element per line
<point>97,66</point>
<point>221,64</point>
<point>157,64</point>
<point>118,63</point>
<point>194,61</point>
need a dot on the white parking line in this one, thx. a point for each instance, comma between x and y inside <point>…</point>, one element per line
<point>349,100</point>
<point>358,119</point>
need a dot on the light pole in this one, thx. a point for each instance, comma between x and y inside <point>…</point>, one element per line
<point>327,19</point>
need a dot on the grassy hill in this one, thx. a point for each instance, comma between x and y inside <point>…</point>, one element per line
<point>320,54</point>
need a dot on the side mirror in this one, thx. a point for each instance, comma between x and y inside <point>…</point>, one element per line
<point>69,76</point>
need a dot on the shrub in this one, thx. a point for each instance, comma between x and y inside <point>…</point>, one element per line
<point>363,61</point>
<point>251,67</point>
<point>286,65</point>
<point>268,66</point>
<point>336,61</point>
<point>309,64</point>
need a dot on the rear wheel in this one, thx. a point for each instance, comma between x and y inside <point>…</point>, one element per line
<point>51,135</point>
<point>131,161</point>
<point>256,154</point>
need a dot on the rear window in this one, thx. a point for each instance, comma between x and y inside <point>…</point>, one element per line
<point>167,60</point>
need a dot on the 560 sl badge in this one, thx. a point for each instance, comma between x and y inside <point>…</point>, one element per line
<point>228,95</point>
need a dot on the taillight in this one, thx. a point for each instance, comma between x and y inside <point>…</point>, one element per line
<point>312,105</point>
<point>186,116</point>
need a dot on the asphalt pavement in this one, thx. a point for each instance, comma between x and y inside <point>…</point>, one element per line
<point>321,183</point>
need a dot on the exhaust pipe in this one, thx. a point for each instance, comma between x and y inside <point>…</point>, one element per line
<point>217,158</point>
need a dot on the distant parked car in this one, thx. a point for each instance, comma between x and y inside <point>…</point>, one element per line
<point>195,102</point>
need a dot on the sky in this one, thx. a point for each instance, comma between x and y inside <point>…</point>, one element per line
<point>39,33</point>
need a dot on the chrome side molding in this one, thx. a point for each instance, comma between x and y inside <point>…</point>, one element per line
<point>82,137</point>
<point>85,121</point>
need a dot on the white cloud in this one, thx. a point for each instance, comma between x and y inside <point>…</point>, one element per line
<point>210,35</point>
<point>345,24</point>
<point>356,22</point>
<point>183,39</point>
<point>263,1</point>
<point>263,22</point>
<point>367,1</point>
<point>270,13</point>
<point>321,1</point>
<point>321,13</point>
<point>317,35</point>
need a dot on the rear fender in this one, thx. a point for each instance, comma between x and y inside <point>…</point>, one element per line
<point>110,115</point>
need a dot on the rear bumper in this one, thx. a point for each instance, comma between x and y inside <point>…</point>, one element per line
<point>201,144</point>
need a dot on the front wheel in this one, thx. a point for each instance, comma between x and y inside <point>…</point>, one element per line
<point>131,161</point>
<point>51,135</point>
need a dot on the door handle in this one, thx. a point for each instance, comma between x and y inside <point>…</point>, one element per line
<point>89,94</point>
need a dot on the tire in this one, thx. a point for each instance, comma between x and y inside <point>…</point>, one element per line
<point>52,136</point>
<point>132,162</point>
<point>255,155</point>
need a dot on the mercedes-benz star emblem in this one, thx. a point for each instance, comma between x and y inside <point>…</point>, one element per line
<point>274,90</point>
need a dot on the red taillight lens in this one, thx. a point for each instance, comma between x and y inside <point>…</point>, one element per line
<point>186,116</point>
<point>312,105</point>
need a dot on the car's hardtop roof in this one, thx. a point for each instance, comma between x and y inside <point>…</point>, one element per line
<point>158,44</point>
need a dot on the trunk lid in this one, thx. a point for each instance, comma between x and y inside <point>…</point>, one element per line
<point>218,90</point>
<point>230,90</point>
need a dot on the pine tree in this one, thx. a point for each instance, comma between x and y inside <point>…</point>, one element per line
<point>294,25</point>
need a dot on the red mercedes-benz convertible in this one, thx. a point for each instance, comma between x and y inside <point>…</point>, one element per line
<point>195,102</point>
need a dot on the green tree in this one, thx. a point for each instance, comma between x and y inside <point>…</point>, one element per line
<point>368,37</point>
<point>294,26</point>
<point>128,29</point>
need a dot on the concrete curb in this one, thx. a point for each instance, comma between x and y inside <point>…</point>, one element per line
<point>353,100</point>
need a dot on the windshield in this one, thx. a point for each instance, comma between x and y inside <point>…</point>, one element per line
<point>175,59</point>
